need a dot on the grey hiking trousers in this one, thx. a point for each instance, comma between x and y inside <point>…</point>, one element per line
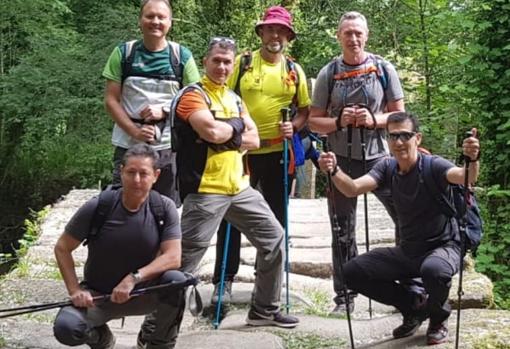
<point>250,213</point>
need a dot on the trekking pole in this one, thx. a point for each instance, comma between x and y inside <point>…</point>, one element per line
<point>462,229</point>
<point>335,227</point>
<point>286,117</point>
<point>365,195</point>
<point>190,281</point>
<point>365,201</point>
<point>349,172</point>
<point>226,243</point>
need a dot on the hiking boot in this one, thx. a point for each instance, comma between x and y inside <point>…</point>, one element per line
<point>226,298</point>
<point>410,325</point>
<point>101,338</point>
<point>276,319</point>
<point>437,333</point>
<point>340,310</point>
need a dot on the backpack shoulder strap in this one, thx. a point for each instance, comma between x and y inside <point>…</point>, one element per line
<point>176,61</point>
<point>382,73</point>
<point>128,52</point>
<point>238,100</point>
<point>391,169</point>
<point>292,70</point>
<point>175,101</point>
<point>175,123</point>
<point>157,208</point>
<point>244,65</point>
<point>104,207</point>
<point>427,177</point>
<point>331,71</point>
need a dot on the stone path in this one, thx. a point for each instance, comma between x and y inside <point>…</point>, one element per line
<point>36,280</point>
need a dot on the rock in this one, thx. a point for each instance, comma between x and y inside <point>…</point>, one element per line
<point>36,280</point>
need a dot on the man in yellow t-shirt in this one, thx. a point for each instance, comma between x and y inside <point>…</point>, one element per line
<point>271,82</point>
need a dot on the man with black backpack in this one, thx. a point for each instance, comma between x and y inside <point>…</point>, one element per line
<point>142,76</point>
<point>133,237</point>
<point>268,81</point>
<point>215,130</point>
<point>353,96</point>
<point>430,242</point>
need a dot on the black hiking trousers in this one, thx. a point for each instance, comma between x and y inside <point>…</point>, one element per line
<point>346,216</point>
<point>376,274</point>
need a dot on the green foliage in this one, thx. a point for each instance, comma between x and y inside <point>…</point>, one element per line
<point>494,253</point>
<point>309,341</point>
<point>32,231</point>
<point>453,59</point>
<point>321,302</point>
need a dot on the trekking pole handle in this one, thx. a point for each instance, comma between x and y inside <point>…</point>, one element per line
<point>285,114</point>
<point>325,145</point>
<point>467,159</point>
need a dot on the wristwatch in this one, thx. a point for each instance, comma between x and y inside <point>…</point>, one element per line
<point>137,277</point>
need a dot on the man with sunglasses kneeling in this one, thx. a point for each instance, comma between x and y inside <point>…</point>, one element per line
<point>429,240</point>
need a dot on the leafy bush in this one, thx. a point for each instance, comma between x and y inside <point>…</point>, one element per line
<point>494,253</point>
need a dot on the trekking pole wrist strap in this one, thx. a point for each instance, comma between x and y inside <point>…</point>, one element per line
<point>338,123</point>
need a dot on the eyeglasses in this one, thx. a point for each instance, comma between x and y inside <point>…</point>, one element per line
<point>217,39</point>
<point>403,136</point>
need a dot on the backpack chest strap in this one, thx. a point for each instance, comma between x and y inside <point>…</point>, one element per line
<point>354,73</point>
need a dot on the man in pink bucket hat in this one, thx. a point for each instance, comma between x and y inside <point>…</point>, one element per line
<point>277,15</point>
<point>268,82</point>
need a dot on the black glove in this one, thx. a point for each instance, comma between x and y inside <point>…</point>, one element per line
<point>235,142</point>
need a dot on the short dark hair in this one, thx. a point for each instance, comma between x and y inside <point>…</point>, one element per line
<point>222,42</point>
<point>141,150</point>
<point>145,2</point>
<point>402,116</point>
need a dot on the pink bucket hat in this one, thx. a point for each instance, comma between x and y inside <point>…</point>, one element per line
<point>276,15</point>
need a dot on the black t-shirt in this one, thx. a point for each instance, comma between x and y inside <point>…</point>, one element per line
<point>126,242</point>
<point>423,226</point>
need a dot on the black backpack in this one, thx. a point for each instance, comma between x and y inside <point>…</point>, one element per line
<point>105,205</point>
<point>451,203</point>
<point>128,50</point>
<point>178,128</point>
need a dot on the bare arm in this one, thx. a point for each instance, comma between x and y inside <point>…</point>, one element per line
<point>118,114</point>
<point>169,258</point>
<point>320,122</point>
<point>391,107</point>
<point>210,129</point>
<point>344,183</point>
<point>64,247</point>
<point>471,149</point>
<point>251,138</point>
<point>288,128</point>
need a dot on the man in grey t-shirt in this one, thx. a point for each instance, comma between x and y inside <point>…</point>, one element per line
<point>354,79</point>
<point>128,251</point>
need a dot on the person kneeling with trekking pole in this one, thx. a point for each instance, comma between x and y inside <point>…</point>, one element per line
<point>129,247</point>
<point>429,241</point>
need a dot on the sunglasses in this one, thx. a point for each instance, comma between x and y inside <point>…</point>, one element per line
<point>403,136</point>
<point>218,39</point>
